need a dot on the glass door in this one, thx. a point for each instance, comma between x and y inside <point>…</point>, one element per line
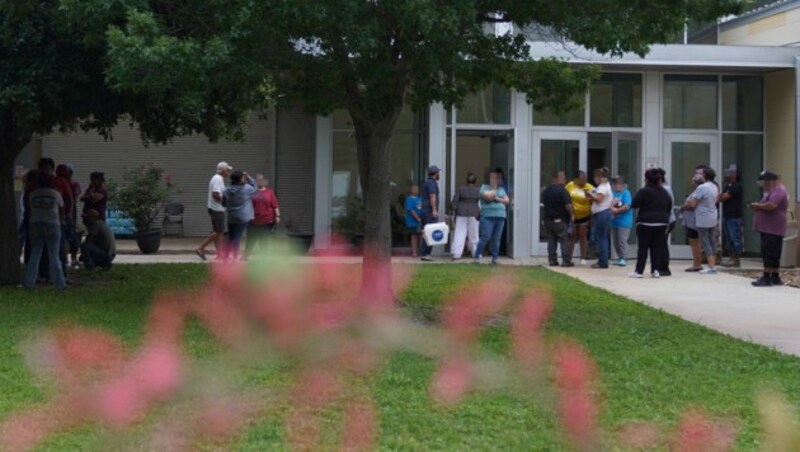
<point>626,159</point>
<point>683,153</point>
<point>553,152</point>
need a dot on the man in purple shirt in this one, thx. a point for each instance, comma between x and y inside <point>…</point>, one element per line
<point>770,222</point>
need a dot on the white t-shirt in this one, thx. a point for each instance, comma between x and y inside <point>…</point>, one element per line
<point>216,185</point>
<point>45,204</point>
<point>608,198</point>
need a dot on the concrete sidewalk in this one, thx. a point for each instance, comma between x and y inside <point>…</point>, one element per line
<point>765,315</point>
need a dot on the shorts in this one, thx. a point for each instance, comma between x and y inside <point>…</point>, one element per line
<point>707,240</point>
<point>771,250</point>
<point>413,230</point>
<point>217,221</point>
<point>692,233</point>
<point>583,220</point>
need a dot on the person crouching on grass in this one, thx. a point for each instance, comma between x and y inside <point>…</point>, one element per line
<point>770,223</point>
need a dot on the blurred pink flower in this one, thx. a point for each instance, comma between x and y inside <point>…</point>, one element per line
<point>639,435</point>
<point>577,407</point>
<point>452,380</point>
<point>527,330</point>
<point>697,433</point>
<point>360,426</point>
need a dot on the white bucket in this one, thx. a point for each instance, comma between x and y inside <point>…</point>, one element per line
<point>436,233</point>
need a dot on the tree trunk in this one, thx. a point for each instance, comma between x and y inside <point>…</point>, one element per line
<point>9,230</point>
<point>372,143</point>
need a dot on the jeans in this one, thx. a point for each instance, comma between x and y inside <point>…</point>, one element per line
<point>93,257</point>
<point>235,234</point>
<point>620,239</point>
<point>467,230</point>
<point>602,227</point>
<point>257,234</point>
<point>427,218</point>
<point>557,236</point>
<point>732,235</point>
<point>651,241</point>
<point>491,232</point>
<point>44,236</point>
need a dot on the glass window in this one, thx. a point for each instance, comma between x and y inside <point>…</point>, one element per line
<point>746,151</point>
<point>343,121</point>
<point>690,102</point>
<point>548,118</point>
<point>742,103</point>
<point>490,106</point>
<point>617,101</point>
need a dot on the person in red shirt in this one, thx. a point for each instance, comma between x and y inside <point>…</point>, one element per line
<point>267,216</point>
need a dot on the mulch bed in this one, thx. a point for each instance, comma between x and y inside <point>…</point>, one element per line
<point>790,276</point>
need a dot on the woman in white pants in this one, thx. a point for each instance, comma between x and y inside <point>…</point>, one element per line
<point>465,205</point>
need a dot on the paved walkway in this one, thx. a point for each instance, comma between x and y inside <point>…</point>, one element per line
<point>727,303</point>
<point>769,315</point>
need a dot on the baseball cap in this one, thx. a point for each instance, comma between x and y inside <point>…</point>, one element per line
<point>433,169</point>
<point>767,175</point>
<point>223,166</point>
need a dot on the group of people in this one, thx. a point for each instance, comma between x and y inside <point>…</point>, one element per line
<point>246,205</point>
<point>578,211</point>
<point>49,228</point>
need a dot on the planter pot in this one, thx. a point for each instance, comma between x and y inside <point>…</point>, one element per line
<point>301,242</point>
<point>148,241</point>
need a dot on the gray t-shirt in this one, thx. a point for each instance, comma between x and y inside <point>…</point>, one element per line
<point>45,204</point>
<point>706,211</point>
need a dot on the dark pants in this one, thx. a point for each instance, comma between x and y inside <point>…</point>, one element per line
<point>257,234</point>
<point>491,233</point>
<point>662,265</point>
<point>427,218</point>
<point>557,236</point>
<point>73,239</point>
<point>93,256</point>
<point>732,235</point>
<point>771,250</point>
<point>651,241</point>
<point>235,234</point>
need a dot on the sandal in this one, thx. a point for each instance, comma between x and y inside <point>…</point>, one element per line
<point>693,269</point>
<point>200,253</point>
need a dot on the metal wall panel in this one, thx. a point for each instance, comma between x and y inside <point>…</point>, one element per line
<point>294,184</point>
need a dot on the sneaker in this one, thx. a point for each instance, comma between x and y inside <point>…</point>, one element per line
<point>567,264</point>
<point>634,275</point>
<point>622,262</point>
<point>694,269</point>
<point>553,264</point>
<point>776,280</point>
<point>426,258</point>
<point>762,282</point>
<point>655,274</point>
<point>665,273</point>
<point>584,263</point>
<point>709,271</point>
<point>599,266</point>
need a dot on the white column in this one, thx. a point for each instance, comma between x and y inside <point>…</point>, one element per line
<point>437,154</point>
<point>652,154</point>
<point>797,128</point>
<point>322,176</point>
<point>524,211</point>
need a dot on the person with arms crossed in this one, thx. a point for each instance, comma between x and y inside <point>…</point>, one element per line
<point>770,223</point>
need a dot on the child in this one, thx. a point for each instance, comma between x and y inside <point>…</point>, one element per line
<point>414,218</point>
<point>623,219</point>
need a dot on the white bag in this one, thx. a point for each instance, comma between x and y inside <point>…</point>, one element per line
<point>436,233</point>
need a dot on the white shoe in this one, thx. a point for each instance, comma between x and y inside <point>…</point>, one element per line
<point>655,274</point>
<point>634,275</point>
<point>584,263</point>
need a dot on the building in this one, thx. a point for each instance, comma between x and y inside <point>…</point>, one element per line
<point>732,102</point>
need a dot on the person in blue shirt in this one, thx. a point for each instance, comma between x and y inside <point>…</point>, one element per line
<point>414,218</point>
<point>493,202</point>
<point>623,219</point>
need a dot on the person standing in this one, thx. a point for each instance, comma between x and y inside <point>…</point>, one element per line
<point>238,201</point>
<point>653,205</point>
<point>602,198</point>
<point>430,207</point>
<point>770,223</point>
<point>704,203</point>
<point>582,210</point>
<point>623,219</point>
<point>731,199</point>
<point>663,265</point>
<point>493,202</point>
<point>413,218</point>
<point>45,208</point>
<point>99,249</point>
<point>468,211</point>
<point>72,239</point>
<point>96,195</point>
<point>216,188</point>
<point>266,216</point>
<point>557,218</point>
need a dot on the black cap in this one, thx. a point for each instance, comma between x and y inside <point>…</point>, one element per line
<point>767,175</point>
<point>433,169</point>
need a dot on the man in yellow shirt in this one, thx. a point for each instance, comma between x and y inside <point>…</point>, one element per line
<point>582,207</point>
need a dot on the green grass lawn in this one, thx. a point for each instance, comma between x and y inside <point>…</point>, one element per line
<point>652,365</point>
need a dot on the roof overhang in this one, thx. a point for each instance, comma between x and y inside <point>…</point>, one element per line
<point>695,58</point>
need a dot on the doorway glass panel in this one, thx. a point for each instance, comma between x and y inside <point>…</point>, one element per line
<point>745,154</point>
<point>556,155</point>
<point>628,163</point>
<point>685,157</point>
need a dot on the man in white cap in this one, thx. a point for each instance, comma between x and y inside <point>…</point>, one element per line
<point>216,187</point>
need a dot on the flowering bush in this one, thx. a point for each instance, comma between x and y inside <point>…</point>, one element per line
<point>143,194</point>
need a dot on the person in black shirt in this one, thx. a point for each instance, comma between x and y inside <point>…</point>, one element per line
<point>653,205</point>
<point>731,199</point>
<point>557,217</point>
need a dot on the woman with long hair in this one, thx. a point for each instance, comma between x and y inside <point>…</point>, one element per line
<point>653,205</point>
<point>582,208</point>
